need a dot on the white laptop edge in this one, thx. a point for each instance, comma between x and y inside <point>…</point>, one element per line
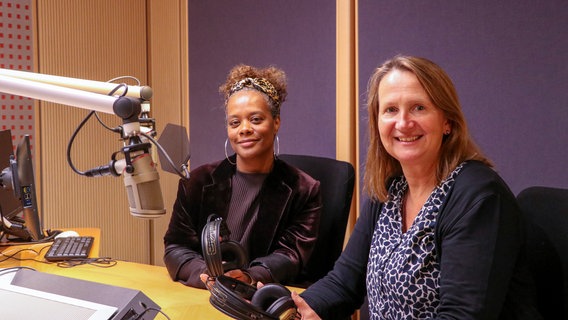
<point>101,312</point>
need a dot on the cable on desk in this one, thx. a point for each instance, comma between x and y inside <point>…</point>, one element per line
<point>43,248</point>
<point>13,255</point>
<point>38,253</point>
<point>151,309</point>
<point>101,262</point>
<point>14,269</point>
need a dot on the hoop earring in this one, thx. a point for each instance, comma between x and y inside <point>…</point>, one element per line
<point>226,154</point>
<point>277,147</point>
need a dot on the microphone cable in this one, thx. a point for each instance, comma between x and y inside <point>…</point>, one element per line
<point>83,122</point>
<point>169,160</point>
<point>184,175</point>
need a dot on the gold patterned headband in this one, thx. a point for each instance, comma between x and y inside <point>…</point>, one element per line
<point>259,84</point>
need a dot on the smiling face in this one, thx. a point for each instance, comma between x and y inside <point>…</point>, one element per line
<point>411,127</point>
<point>251,130</point>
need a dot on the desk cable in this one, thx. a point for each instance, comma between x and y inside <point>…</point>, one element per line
<point>13,255</point>
<point>151,309</point>
<point>101,262</point>
<point>14,269</point>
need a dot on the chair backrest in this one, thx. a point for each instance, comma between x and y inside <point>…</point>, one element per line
<point>547,210</point>
<point>337,180</point>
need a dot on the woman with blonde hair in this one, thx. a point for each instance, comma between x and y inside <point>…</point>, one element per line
<point>441,236</point>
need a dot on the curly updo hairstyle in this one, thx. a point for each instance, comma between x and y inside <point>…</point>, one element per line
<point>275,76</point>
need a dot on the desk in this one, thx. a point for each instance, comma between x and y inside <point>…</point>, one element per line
<point>178,301</point>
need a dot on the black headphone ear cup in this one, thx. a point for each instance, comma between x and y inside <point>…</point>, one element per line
<point>283,308</point>
<point>274,299</point>
<point>233,254</point>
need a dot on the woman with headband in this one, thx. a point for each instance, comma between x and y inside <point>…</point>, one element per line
<point>271,208</point>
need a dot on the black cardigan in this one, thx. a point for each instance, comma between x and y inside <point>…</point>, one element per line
<point>480,242</point>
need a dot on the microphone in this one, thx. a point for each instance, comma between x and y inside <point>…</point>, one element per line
<point>143,188</point>
<point>141,180</point>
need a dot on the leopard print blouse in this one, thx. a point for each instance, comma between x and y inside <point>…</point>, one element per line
<point>403,272</point>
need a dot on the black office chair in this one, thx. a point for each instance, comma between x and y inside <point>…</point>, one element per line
<point>547,210</point>
<point>337,179</point>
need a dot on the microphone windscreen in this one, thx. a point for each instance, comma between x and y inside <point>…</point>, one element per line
<point>175,142</point>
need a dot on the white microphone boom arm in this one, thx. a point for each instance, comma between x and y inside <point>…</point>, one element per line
<point>57,94</point>
<point>125,107</point>
<point>142,92</point>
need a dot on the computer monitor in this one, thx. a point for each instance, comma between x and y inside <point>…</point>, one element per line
<point>27,225</point>
<point>9,204</point>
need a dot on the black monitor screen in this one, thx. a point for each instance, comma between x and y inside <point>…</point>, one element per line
<point>21,186</point>
<point>28,189</point>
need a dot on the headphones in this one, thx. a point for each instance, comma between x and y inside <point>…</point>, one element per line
<point>220,253</point>
<point>243,302</point>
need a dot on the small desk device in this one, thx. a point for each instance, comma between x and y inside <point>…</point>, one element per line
<point>26,303</point>
<point>127,303</point>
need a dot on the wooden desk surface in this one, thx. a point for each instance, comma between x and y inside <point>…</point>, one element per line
<point>176,300</point>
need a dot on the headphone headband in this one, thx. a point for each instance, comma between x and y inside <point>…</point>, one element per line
<point>231,296</point>
<point>211,247</point>
<point>217,248</point>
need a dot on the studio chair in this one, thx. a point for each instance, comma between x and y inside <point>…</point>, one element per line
<point>337,179</point>
<point>547,212</point>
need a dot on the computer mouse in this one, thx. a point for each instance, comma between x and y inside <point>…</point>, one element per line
<point>68,233</point>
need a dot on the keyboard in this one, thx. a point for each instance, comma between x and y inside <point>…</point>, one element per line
<point>69,248</point>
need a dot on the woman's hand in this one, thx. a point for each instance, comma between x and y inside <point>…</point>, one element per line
<point>236,274</point>
<point>204,278</point>
<point>239,275</point>
<point>305,311</point>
